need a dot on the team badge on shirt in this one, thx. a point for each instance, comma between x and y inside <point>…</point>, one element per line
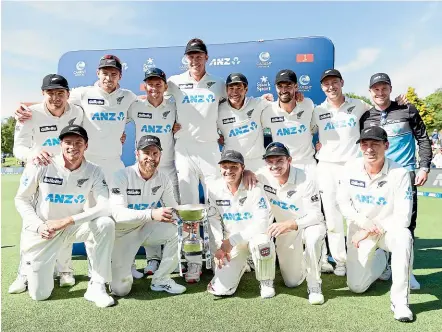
<point>209,84</point>
<point>249,113</point>
<point>350,109</point>
<point>290,193</point>
<point>119,99</point>
<point>165,114</point>
<point>242,200</point>
<point>155,189</point>
<point>299,115</point>
<point>381,184</point>
<point>81,181</point>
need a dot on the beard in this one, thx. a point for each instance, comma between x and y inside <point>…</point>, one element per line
<point>286,98</point>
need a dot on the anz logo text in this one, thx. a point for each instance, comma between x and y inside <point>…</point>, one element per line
<point>291,131</point>
<point>156,129</point>
<point>237,216</point>
<point>197,99</point>
<point>284,205</point>
<point>108,116</point>
<point>52,141</point>
<point>369,199</point>
<point>142,206</point>
<point>243,129</point>
<point>65,199</point>
<point>333,125</point>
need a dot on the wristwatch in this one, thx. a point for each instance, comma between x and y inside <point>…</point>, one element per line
<point>425,169</point>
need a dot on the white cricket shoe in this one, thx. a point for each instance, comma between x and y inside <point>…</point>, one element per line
<point>168,285</point>
<point>193,273</point>
<point>315,295</point>
<point>250,266</point>
<point>135,273</point>
<point>386,275</point>
<point>67,279</point>
<point>326,267</point>
<point>152,266</point>
<point>96,292</point>
<point>267,289</point>
<point>19,285</point>
<point>402,313</point>
<point>340,270</point>
<point>414,284</point>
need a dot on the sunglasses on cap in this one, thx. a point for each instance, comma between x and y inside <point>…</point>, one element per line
<point>277,144</point>
<point>155,71</point>
<point>110,57</point>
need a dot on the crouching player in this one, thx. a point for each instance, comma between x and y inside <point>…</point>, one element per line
<point>239,219</point>
<point>375,196</point>
<point>294,199</point>
<point>135,193</point>
<point>51,201</point>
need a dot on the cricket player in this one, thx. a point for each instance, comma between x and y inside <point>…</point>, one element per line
<point>375,196</point>
<point>294,199</point>
<point>51,201</point>
<point>404,127</point>
<point>239,228</point>
<point>135,194</point>
<point>35,141</point>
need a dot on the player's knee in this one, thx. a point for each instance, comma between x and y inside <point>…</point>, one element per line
<point>40,294</point>
<point>357,288</point>
<point>122,288</point>
<point>293,281</point>
<point>314,236</point>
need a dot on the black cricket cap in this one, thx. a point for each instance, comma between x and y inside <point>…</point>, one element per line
<point>109,60</point>
<point>54,81</point>
<point>236,78</point>
<point>374,133</point>
<point>155,72</point>
<point>276,149</point>
<point>378,78</point>
<point>148,140</point>
<point>73,130</point>
<point>232,156</point>
<point>331,72</point>
<point>195,45</point>
<point>286,75</point>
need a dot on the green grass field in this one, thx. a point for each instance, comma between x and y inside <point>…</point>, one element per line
<point>196,310</point>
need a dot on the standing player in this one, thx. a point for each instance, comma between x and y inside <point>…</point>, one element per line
<point>294,199</point>
<point>36,141</point>
<point>51,201</point>
<point>135,194</point>
<point>404,127</point>
<point>238,229</point>
<point>375,196</point>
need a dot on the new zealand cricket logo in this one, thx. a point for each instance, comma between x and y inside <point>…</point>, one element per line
<point>155,189</point>
<point>299,114</point>
<point>290,193</point>
<point>381,183</point>
<point>165,114</point>
<point>242,200</point>
<point>249,113</point>
<point>350,109</point>
<point>81,181</point>
<point>119,99</point>
<point>209,84</point>
<point>71,121</point>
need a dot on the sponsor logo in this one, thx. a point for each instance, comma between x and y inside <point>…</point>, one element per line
<point>144,115</point>
<point>369,199</point>
<point>224,202</point>
<point>108,116</point>
<point>438,180</point>
<point>185,86</point>
<point>80,182</point>
<point>270,189</point>
<point>65,199</point>
<point>133,192</point>
<point>125,66</point>
<point>264,60</point>
<point>119,100</point>
<point>305,57</point>
<point>237,216</point>
<point>284,205</point>
<point>116,191</point>
<point>290,193</point>
<point>165,114</point>
<point>249,113</point>
<point>314,198</point>
<point>381,184</point>
<point>357,183</point>
<point>325,116</point>
<point>51,180</point>
<point>242,200</point>
<point>156,129</point>
<point>25,181</point>
<point>95,101</point>
<point>243,129</point>
<point>45,129</point>
<point>409,194</point>
<point>262,203</point>
<point>51,142</point>
<point>333,125</point>
<point>104,183</point>
<point>184,64</point>
<point>225,61</point>
<point>150,63</point>
<point>141,206</point>
<point>304,83</point>
<point>80,69</point>
<point>155,189</point>
<point>197,99</point>
<point>263,85</point>
<point>291,130</point>
<point>229,120</point>
<point>277,119</point>
<point>264,251</point>
<point>350,109</point>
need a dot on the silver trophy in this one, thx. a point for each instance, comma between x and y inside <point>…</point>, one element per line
<point>193,215</point>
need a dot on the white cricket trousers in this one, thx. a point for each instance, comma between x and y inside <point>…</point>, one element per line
<point>366,263</point>
<point>227,278</point>
<point>195,162</point>
<point>328,175</point>
<point>295,267</point>
<point>39,255</point>
<point>127,243</point>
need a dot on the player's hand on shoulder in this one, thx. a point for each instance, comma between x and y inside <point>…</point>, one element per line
<point>23,114</point>
<point>163,214</point>
<point>221,140</point>
<point>42,158</point>
<point>318,146</point>
<point>176,127</point>
<point>268,97</point>
<point>123,137</point>
<point>249,179</point>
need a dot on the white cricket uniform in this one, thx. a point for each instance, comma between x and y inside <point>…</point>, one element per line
<point>196,148</point>
<point>293,130</point>
<point>386,202</point>
<point>42,130</point>
<point>53,192</point>
<point>338,131</point>
<point>105,119</point>
<point>40,133</point>
<point>132,199</point>
<point>297,199</point>
<point>243,219</point>
<point>242,130</point>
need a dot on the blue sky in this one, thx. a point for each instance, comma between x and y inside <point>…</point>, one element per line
<point>401,38</point>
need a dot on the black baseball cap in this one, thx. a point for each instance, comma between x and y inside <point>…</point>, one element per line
<point>232,156</point>
<point>286,75</point>
<point>195,45</point>
<point>149,140</point>
<point>54,81</point>
<point>276,149</point>
<point>378,78</point>
<point>74,130</point>
<point>236,78</point>
<point>110,60</point>
<point>331,72</point>
<point>374,133</point>
<point>155,72</point>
